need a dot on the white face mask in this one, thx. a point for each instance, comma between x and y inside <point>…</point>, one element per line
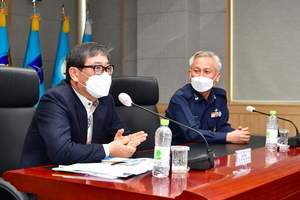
<point>202,84</point>
<point>98,85</point>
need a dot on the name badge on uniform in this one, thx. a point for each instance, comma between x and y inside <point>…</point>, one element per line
<point>216,113</point>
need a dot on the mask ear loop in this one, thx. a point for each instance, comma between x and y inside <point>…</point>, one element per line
<point>216,75</point>
<point>214,78</point>
<point>84,75</point>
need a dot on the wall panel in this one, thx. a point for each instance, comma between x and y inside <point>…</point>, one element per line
<point>255,121</point>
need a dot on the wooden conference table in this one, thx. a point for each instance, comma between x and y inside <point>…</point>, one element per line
<point>269,176</point>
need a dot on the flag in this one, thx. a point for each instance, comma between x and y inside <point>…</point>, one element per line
<point>33,57</point>
<point>87,35</point>
<point>59,71</point>
<point>4,42</point>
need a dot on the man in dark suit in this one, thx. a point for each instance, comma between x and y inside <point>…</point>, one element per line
<point>76,121</point>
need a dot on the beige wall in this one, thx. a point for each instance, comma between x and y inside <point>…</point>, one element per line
<point>255,121</point>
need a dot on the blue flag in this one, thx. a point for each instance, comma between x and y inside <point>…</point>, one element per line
<point>4,42</point>
<point>87,35</point>
<point>59,71</point>
<point>33,57</point>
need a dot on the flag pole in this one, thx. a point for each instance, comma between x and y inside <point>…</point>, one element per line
<point>81,19</point>
<point>87,34</point>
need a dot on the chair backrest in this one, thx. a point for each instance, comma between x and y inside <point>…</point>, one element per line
<point>19,92</point>
<point>144,92</point>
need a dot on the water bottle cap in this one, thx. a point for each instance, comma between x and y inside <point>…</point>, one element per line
<point>164,122</point>
<point>273,112</point>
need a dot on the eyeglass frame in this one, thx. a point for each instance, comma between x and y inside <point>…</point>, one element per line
<point>102,68</point>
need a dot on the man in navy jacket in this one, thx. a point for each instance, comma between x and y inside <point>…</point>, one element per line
<point>76,121</point>
<point>202,107</point>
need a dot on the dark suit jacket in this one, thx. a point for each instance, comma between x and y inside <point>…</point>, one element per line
<point>58,131</point>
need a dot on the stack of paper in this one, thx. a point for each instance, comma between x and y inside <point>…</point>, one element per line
<point>110,168</point>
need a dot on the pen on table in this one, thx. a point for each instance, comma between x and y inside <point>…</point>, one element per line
<point>117,163</point>
<point>66,176</point>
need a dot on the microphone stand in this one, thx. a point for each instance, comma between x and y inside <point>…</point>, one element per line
<point>202,162</point>
<point>292,141</point>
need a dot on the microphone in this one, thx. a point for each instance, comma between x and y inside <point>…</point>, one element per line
<point>202,162</point>
<point>293,141</point>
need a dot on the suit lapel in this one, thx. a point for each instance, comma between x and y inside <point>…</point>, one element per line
<point>82,120</point>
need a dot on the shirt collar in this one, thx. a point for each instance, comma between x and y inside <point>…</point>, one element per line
<point>89,105</point>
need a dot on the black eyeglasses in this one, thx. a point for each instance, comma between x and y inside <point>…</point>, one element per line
<point>99,69</point>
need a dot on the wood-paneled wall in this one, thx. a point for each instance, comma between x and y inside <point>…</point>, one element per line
<point>255,121</point>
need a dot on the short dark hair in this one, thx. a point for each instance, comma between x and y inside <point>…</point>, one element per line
<point>81,52</point>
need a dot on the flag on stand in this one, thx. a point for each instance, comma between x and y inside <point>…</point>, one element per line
<point>59,71</point>
<point>4,42</point>
<point>33,57</point>
<point>87,35</point>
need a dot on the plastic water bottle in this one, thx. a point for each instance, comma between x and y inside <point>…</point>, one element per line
<point>163,138</point>
<point>272,132</point>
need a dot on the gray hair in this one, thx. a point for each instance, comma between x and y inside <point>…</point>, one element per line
<point>206,54</point>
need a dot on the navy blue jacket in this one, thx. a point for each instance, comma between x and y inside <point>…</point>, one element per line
<point>58,131</point>
<point>209,117</point>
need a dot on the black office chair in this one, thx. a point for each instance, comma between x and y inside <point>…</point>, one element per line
<point>19,92</point>
<point>144,92</point>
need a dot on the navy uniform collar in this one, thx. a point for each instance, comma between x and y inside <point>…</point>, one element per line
<point>190,92</point>
<point>198,97</point>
